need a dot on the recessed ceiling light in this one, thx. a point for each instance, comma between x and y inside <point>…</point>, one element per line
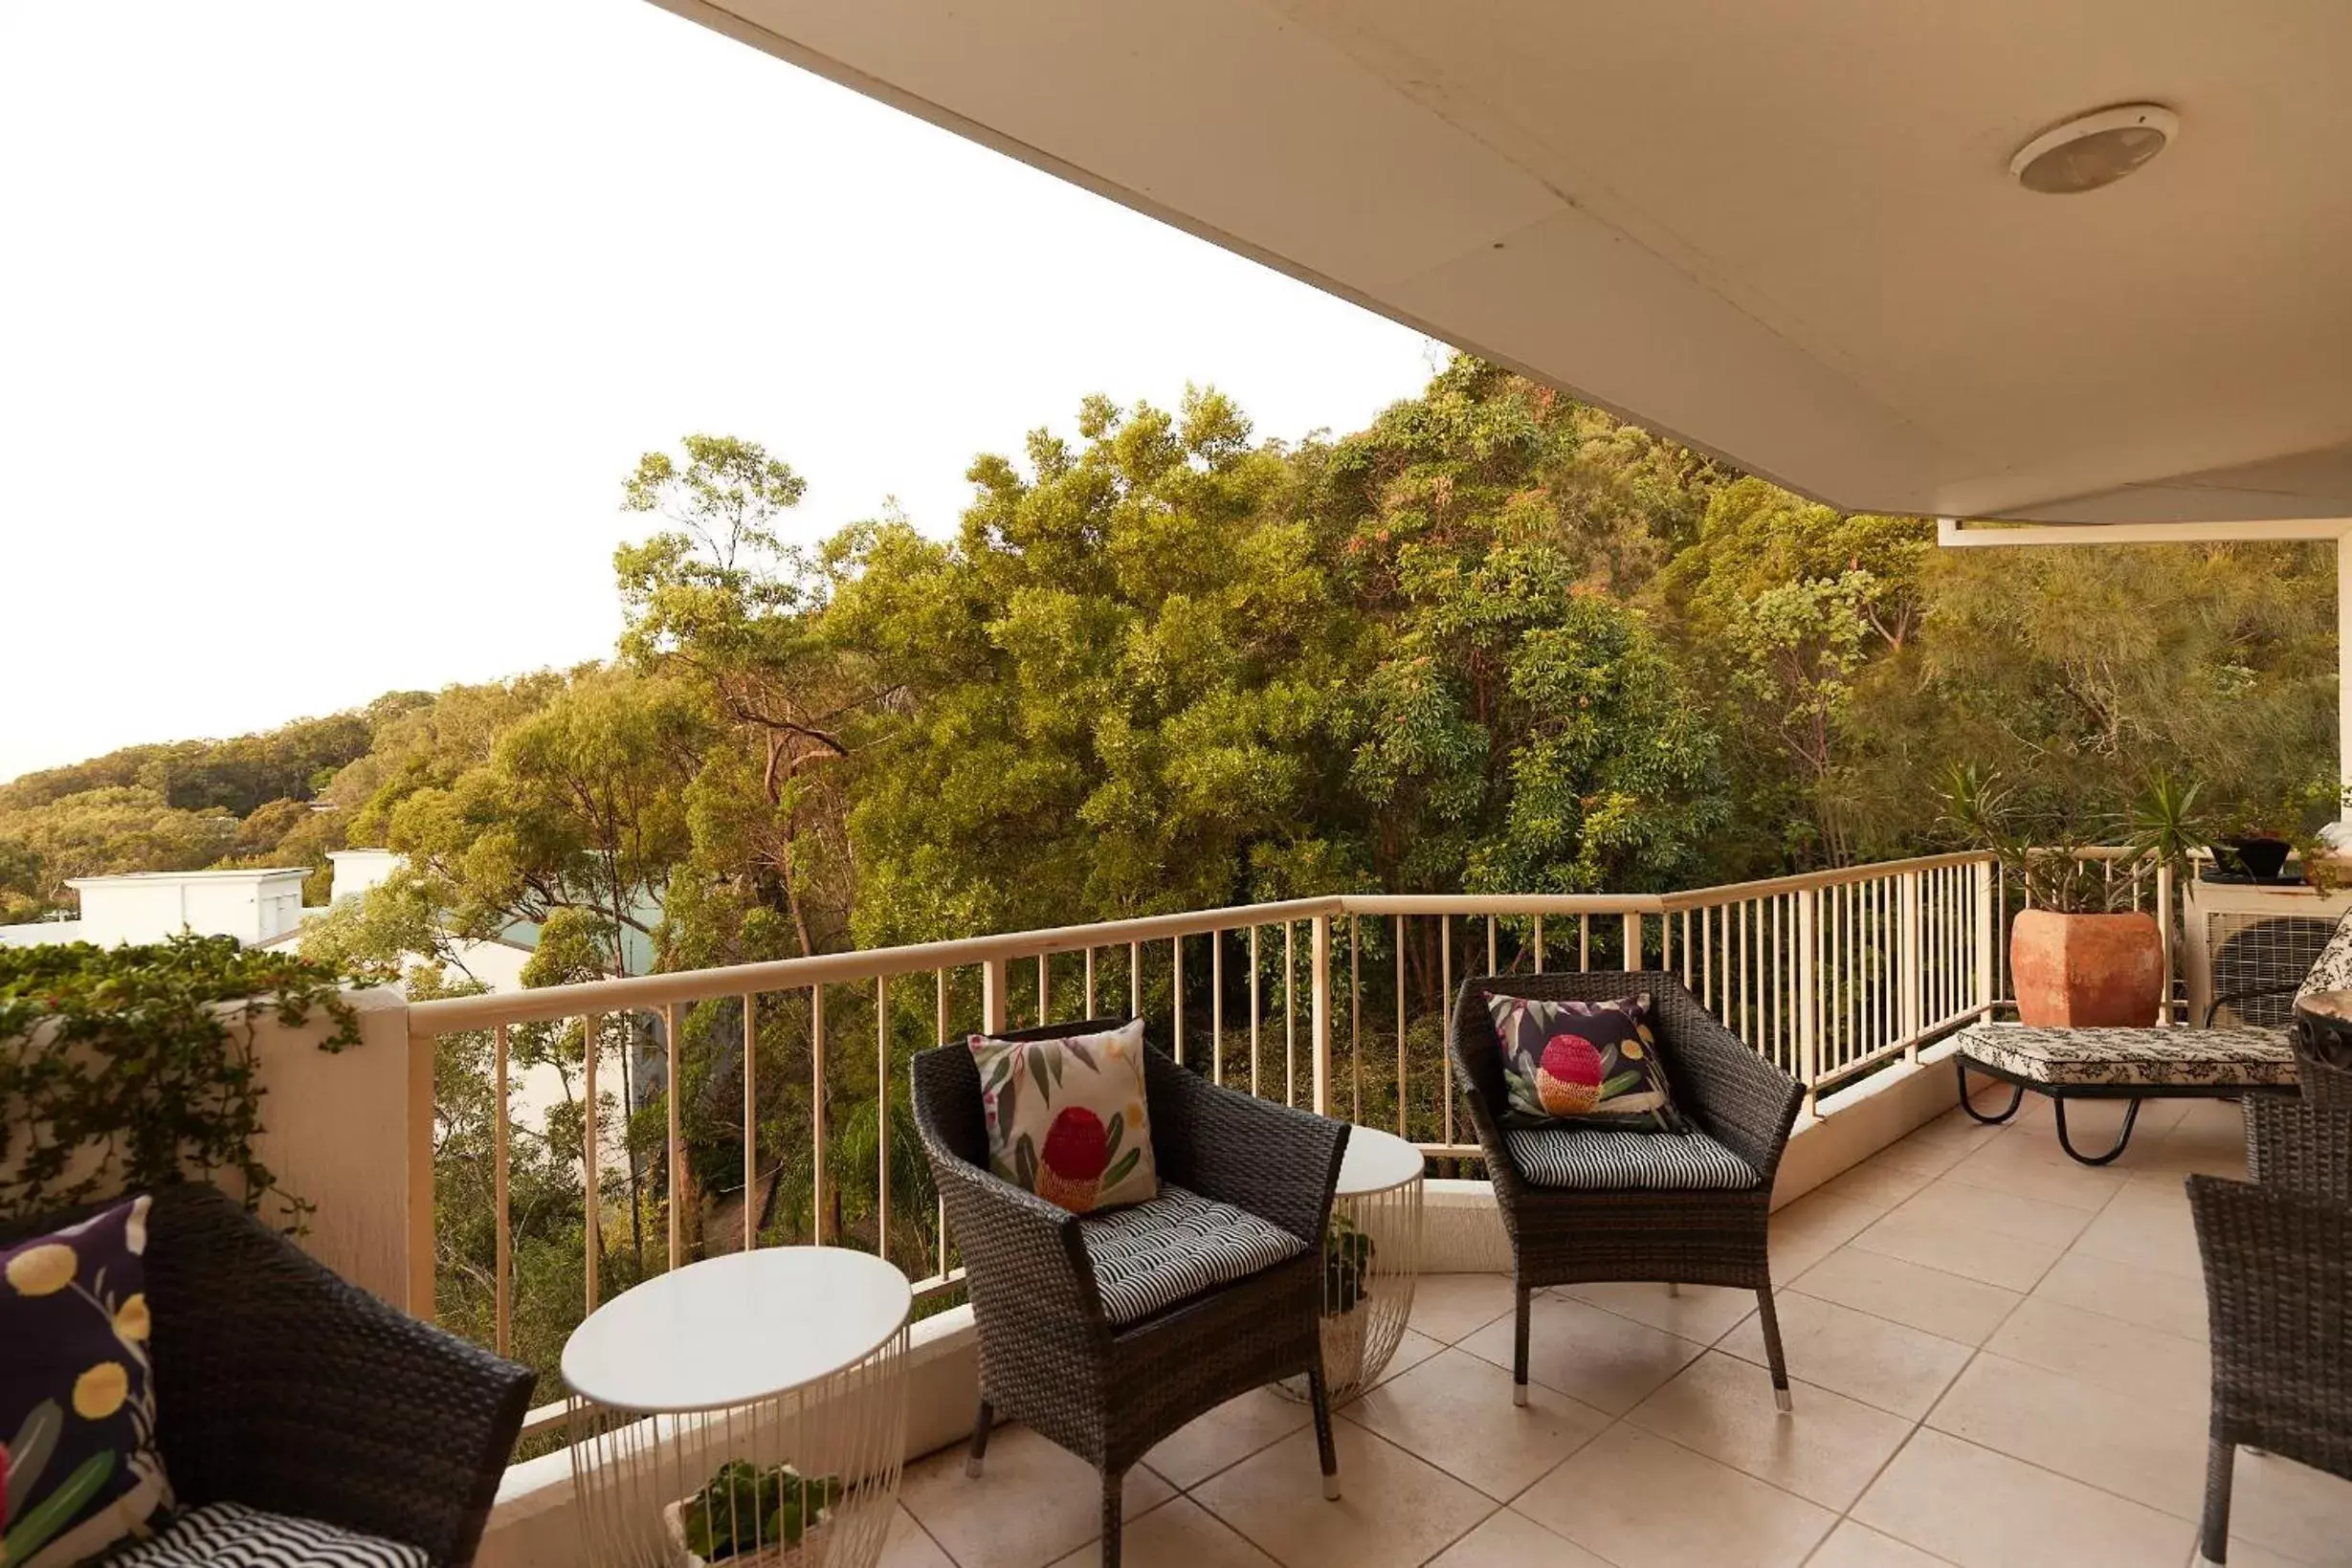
<point>2094,149</point>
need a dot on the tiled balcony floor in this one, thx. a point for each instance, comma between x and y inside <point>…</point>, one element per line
<point>1999,1360</point>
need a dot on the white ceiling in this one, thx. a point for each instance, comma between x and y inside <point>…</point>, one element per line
<point>1784,233</point>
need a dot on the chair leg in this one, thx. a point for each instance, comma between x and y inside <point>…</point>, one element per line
<point>1772,1348</point>
<point>1519,1348</point>
<point>1325,1450</point>
<point>2213,1534</point>
<point>1113,1511</point>
<point>979,1450</point>
<point>1672,1288</point>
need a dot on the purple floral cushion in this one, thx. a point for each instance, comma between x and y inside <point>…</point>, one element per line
<point>80,1468</point>
<point>1593,1062</point>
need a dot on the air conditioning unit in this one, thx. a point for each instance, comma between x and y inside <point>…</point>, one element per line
<point>2244,937</point>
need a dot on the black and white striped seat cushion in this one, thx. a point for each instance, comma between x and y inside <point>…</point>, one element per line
<point>1175,1247</point>
<point>1603,1159</point>
<point>233,1535</point>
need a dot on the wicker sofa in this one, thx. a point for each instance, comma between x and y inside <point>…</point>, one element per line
<point>283,1388</point>
<point>1084,1373</point>
<point>1572,1234</point>
<point>2278,1254</point>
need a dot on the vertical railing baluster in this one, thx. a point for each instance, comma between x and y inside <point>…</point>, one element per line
<point>1045,990</point>
<point>1089,981</point>
<point>1255,1007</point>
<point>1290,1012</point>
<point>1355,1022</point>
<point>502,1227</point>
<point>1176,967</point>
<point>1318,1016</point>
<point>592,1032</point>
<point>1135,980</point>
<point>1400,1027</point>
<point>675,1149</point>
<point>1490,946</point>
<point>881,1116</point>
<point>1583,944</point>
<point>1538,944</point>
<point>1217,1007</point>
<point>1444,1002</point>
<point>817,1184</point>
<point>751,1122</point>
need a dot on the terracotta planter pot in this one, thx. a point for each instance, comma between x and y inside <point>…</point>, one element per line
<point>2084,970</point>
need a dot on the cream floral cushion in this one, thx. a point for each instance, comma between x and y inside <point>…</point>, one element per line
<point>1066,1117</point>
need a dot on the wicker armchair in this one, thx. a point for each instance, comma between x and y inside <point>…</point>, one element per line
<point>1569,1235</point>
<point>282,1388</point>
<point>2277,1255</point>
<point>1049,1354</point>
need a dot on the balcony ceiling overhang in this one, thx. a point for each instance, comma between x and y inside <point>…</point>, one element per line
<point>1783,233</point>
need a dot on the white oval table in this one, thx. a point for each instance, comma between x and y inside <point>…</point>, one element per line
<point>789,1361</point>
<point>1371,1259</point>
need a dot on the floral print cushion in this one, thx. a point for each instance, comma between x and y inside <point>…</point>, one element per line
<point>1590,1063</point>
<point>80,1469</point>
<point>1067,1119</point>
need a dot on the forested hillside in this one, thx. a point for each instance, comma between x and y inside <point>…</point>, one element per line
<point>1498,640</point>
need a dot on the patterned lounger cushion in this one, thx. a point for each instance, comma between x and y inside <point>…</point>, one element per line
<point>1152,1255</point>
<point>233,1535</point>
<point>1609,1160</point>
<point>2156,1058</point>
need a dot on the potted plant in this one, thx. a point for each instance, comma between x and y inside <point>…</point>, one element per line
<point>2080,956</point>
<point>1347,1264</point>
<point>759,1518</point>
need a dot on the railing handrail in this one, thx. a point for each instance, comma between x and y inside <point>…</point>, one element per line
<point>448,1015</point>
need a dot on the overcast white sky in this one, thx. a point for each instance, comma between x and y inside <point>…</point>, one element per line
<point>327,333</point>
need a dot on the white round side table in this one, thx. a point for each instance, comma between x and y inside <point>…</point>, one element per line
<point>749,1409</point>
<point>1371,1259</point>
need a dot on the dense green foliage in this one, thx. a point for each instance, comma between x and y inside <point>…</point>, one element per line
<point>1495,641</point>
<point>122,1067</point>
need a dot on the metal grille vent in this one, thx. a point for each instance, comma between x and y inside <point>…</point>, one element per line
<point>2254,952</point>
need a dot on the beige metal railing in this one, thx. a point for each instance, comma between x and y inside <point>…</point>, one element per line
<point>1831,975</point>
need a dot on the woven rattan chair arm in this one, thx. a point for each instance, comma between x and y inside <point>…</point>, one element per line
<point>1742,1102</point>
<point>2299,1146</point>
<point>1278,1163</point>
<point>1472,1045</point>
<point>2279,1301</point>
<point>284,1387</point>
<point>1025,1257</point>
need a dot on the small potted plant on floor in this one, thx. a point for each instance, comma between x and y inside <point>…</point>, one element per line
<point>2079,954</point>
<point>1347,1265</point>
<point>753,1517</point>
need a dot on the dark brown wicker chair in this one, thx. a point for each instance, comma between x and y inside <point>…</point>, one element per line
<point>282,1388</point>
<point>1566,1236</point>
<point>2277,1255</point>
<point>1049,1353</point>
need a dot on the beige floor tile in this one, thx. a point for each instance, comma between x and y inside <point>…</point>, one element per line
<point>1879,1180</point>
<point>2108,1353</point>
<point>1963,1309</point>
<point>2290,1509</point>
<point>2011,1262</point>
<point>1508,1539</point>
<point>1035,1503</point>
<point>1639,1501</point>
<point>1704,1313</point>
<point>1891,1366</point>
<point>1607,1362</point>
<point>1395,1510</point>
<point>1226,1435</point>
<point>1979,1508</point>
<point>1826,1449</point>
<point>2154,1297</point>
<point>908,1545</point>
<point>1411,1351</point>
<point>1944,1202</point>
<point>1854,1545</point>
<point>2245,1554</point>
<point>2151,1454</point>
<point>1178,1533</point>
<point>2031,1172</point>
<point>1455,1411</point>
<point>2147,1227</point>
<point>1449,1306</point>
<point>1816,1225</point>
